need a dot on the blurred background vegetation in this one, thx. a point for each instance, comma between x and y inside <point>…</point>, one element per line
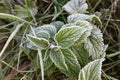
<point>18,63</point>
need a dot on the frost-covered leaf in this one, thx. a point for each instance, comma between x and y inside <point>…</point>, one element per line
<point>67,36</point>
<point>86,34</point>
<point>84,24</point>
<point>92,71</point>
<point>87,25</point>
<point>43,34</point>
<point>57,24</point>
<point>72,63</point>
<point>94,44</point>
<point>83,37</point>
<point>46,60</point>
<point>40,33</point>
<point>58,59</point>
<point>38,42</point>
<point>75,17</point>
<point>83,8</point>
<point>96,19</point>
<point>31,46</point>
<point>49,28</point>
<point>98,14</point>
<point>68,25</point>
<point>81,53</point>
<point>75,6</point>
<point>47,63</point>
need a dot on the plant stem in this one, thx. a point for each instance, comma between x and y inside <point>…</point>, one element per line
<point>113,54</point>
<point>40,56</point>
<point>41,63</point>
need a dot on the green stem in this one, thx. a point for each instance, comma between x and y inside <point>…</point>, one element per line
<point>113,54</point>
<point>41,63</point>
<point>40,56</point>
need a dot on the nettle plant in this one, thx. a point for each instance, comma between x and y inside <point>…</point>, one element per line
<point>75,48</point>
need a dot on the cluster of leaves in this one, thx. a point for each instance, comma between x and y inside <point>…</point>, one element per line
<point>75,48</point>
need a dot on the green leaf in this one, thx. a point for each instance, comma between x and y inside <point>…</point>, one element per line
<point>57,58</point>
<point>86,34</point>
<point>31,46</point>
<point>81,53</point>
<point>41,33</point>
<point>97,19</point>
<point>98,14</point>
<point>94,44</point>
<point>67,36</point>
<point>83,8</point>
<point>72,63</point>
<point>49,28</point>
<point>83,37</point>
<point>75,6</point>
<point>57,24</point>
<point>75,17</point>
<point>47,61</point>
<point>68,25</point>
<point>92,71</point>
<point>38,42</point>
<point>84,24</point>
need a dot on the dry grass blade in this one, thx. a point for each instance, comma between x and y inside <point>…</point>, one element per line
<point>14,73</point>
<point>11,37</point>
